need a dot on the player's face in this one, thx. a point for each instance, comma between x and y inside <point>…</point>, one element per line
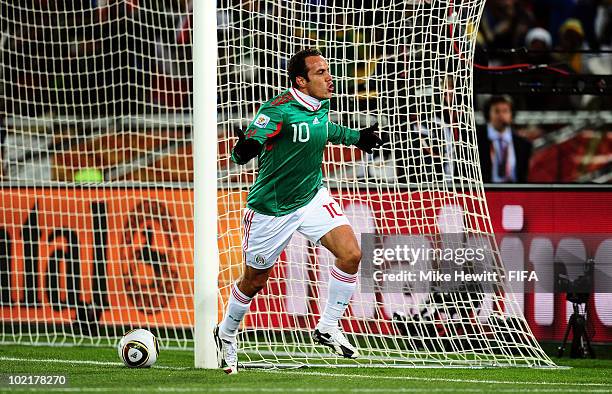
<point>319,84</point>
<point>500,116</point>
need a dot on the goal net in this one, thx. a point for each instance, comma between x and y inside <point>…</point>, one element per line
<point>96,235</point>
<point>406,65</point>
<point>96,208</point>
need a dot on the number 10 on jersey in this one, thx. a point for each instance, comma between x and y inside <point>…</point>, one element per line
<point>301,132</point>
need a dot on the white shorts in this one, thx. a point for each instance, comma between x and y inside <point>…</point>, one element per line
<point>265,237</point>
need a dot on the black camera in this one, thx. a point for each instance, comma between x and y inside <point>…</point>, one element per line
<point>579,289</point>
<point>578,292</point>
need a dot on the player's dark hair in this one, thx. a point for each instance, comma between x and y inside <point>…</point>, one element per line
<point>297,64</point>
<point>494,100</point>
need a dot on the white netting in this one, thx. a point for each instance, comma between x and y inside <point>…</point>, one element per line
<point>405,64</point>
<point>97,195</point>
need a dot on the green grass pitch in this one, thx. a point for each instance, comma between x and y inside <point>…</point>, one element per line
<point>99,370</point>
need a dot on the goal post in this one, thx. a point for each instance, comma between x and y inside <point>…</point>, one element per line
<point>206,254</point>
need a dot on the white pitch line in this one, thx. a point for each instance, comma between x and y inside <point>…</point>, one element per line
<point>324,374</point>
<point>448,380</point>
<point>82,362</point>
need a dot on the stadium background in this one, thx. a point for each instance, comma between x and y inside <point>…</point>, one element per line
<point>569,176</point>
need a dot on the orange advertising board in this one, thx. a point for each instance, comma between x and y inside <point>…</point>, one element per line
<point>103,256</point>
<point>121,257</point>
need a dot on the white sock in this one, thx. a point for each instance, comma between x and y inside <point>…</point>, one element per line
<point>237,307</point>
<point>341,289</point>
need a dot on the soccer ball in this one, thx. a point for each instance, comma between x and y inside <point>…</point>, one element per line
<point>138,348</point>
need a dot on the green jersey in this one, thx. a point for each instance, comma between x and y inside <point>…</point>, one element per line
<point>294,132</point>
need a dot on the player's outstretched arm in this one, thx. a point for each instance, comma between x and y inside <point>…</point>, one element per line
<point>245,149</point>
<point>368,139</point>
<point>365,139</point>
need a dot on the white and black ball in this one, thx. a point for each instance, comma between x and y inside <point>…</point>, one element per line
<point>138,348</point>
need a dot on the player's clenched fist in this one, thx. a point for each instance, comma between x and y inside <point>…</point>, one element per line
<point>245,149</point>
<point>368,139</point>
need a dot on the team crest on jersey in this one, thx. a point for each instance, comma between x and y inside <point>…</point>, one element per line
<point>262,121</point>
<point>259,259</point>
<point>315,121</point>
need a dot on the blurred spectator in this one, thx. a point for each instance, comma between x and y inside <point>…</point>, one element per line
<point>571,39</point>
<point>504,155</point>
<point>538,41</point>
<point>602,24</point>
<point>586,12</point>
<point>505,24</point>
<point>552,13</point>
<point>430,142</point>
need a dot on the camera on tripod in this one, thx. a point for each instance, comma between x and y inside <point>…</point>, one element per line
<point>578,292</point>
<point>579,289</point>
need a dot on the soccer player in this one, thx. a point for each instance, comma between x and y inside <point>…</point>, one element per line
<point>289,135</point>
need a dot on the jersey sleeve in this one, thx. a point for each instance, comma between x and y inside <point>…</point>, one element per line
<point>337,134</point>
<point>267,124</point>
